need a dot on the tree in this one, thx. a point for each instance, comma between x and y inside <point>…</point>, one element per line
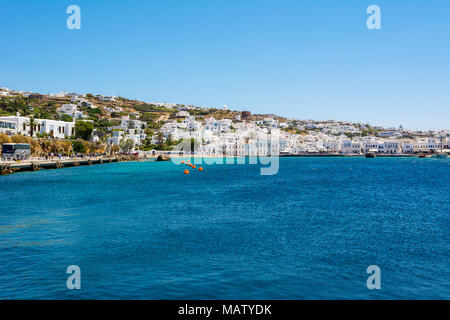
<point>160,138</point>
<point>31,123</point>
<point>78,147</point>
<point>126,145</point>
<point>169,141</point>
<point>14,104</point>
<point>83,129</point>
<point>67,118</point>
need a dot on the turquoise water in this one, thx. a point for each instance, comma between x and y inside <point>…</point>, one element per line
<point>146,231</point>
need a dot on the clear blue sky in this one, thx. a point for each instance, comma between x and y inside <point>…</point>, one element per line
<point>304,59</point>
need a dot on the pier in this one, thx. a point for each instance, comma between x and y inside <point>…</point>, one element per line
<point>8,167</point>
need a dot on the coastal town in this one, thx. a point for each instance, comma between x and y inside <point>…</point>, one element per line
<point>88,123</point>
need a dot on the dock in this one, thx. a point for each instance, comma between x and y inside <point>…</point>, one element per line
<point>8,167</point>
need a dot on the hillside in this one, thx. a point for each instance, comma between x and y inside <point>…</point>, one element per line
<point>46,107</point>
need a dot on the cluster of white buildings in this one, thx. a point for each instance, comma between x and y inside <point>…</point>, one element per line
<point>6,92</point>
<point>128,128</point>
<point>360,145</point>
<point>322,143</point>
<point>226,137</point>
<point>74,97</point>
<point>164,104</point>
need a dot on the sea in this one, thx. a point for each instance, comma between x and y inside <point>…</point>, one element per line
<point>146,230</point>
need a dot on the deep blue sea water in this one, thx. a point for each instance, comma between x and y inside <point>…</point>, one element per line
<point>144,230</point>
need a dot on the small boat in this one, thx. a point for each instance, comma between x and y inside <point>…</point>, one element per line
<point>372,153</point>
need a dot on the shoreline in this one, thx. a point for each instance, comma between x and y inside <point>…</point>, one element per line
<point>300,156</point>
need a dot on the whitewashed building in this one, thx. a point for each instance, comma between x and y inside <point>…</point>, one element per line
<point>106,98</point>
<point>71,110</point>
<point>127,122</point>
<point>54,128</point>
<point>351,147</point>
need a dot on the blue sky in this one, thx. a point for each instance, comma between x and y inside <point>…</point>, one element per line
<point>303,59</point>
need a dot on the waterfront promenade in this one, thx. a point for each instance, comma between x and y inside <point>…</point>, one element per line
<point>35,164</point>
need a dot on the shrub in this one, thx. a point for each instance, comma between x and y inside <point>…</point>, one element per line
<point>78,146</point>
